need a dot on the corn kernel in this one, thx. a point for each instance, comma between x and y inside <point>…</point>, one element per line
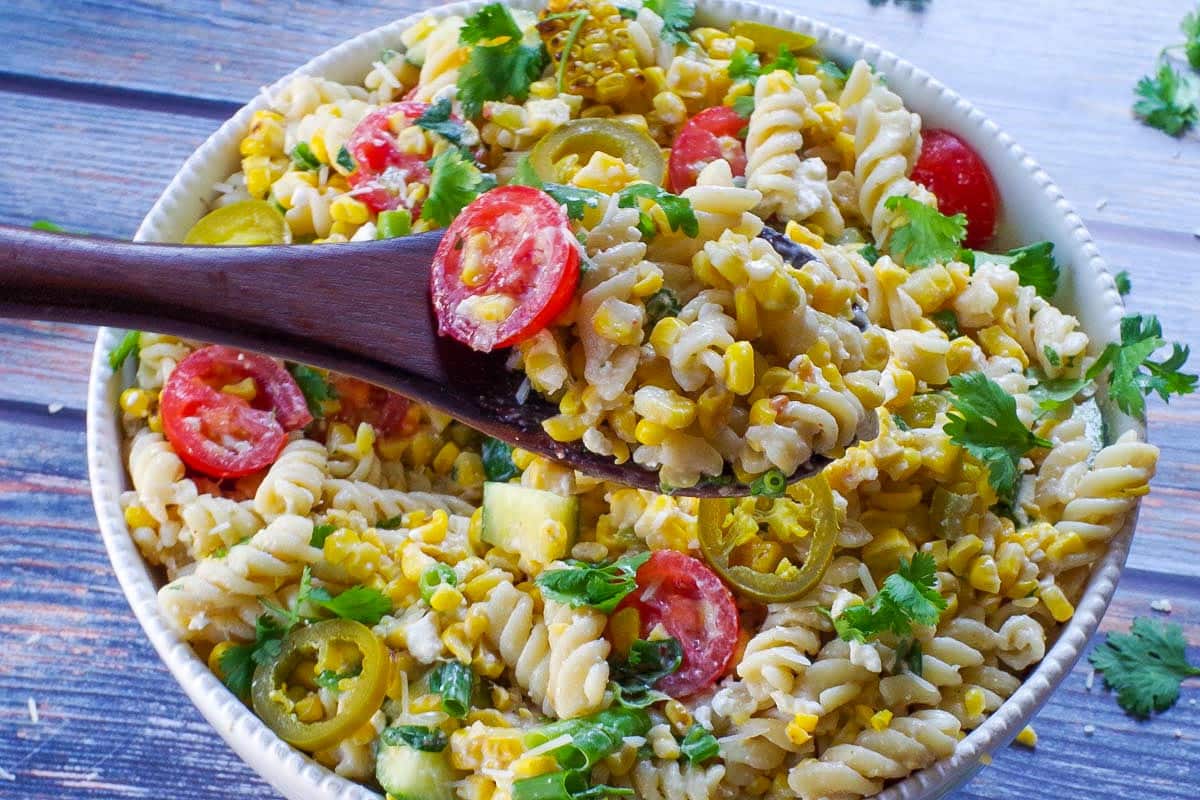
<point>974,702</point>
<point>996,342</point>
<point>309,709</point>
<point>564,428</point>
<point>739,368</point>
<point>880,720</point>
<point>522,458</point>
<point>665,407</point>
<point>983,575</point>
<point>797,735</point>
<point>445,599</point>
<point>762,412</point>
<point>1027,737</point>
<point>444,459</point>
<point>648,284</point>
<point>154,422</point>
<point>883,553</point>
<point>347,209</point>
<point>136,402</point>
<point>624,627</point>
<point>619,322</point>
<point>475,268</point>
<point>1057,604</point>
<point>665,334</point>
<point>801,235</point>
<point>1065,545</point>
<point>962,551</point>
<point>649,433</point>
<point>678,715</point>
<point>468,470</point>
<point>138,517</point>
<point>487,308</point>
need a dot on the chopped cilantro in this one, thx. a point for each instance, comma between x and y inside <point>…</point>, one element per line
<point>744,65</point>
<point>314,387</point>
<point>646,664</point>
<point>831,70</point>
<point>359,603</point>
<point>47,226</point>
<point>677,18</point>
<point>1124,283</point>
<point>659,306</point>
<point>909,596</point>
<point>600,586</point>
<point>418,737</point>
<point>497,460</point>
<point>927,236</point>
<point>947,320</point>
<point>320,534</point>
<point>1191,29</point>
<point>1034,264</point>
<point>304,159</point>
<point>345,160</point>
<point>744,106</point>
<point>439,119</point>
<point>500,64</point>
<point>454,182</point>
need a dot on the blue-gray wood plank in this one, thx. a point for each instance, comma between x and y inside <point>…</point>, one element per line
<point>100,100</point>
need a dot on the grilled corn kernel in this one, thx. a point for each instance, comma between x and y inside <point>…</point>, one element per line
<point>880,720</point>
<point>624,423</point>
<point>665,407</point>
<point>974,702</point>
<point>445,599</point>
<point>136,402</point>
<point>1057,604</point>
<point>468,470</point>
<point>762,412</point>
<point>739,367</point>
<point>605,173</point>
<point>1027,737</point>
<point>883,553</point>
<point>138,517</point>
<point>996,342</point>
<point>423,446</point>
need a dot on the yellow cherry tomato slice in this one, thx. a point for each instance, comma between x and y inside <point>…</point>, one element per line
<point>243,224</point>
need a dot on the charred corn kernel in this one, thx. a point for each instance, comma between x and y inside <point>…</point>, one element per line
<point>880,720</point>
<point>1064,545</point>
<point>679,716</point>
<point>649,283</point>
<point>664,407</point>
<point>996,342</point>
<point>475,269</point>
<point>214,657</point>
<point>1057,604</point>
<point>444,460</point>
<point>624,628</point>
<point>802,235</point>
<point>468,470</point>
<point>138,517</point>
<point>348,209</point>
<point>1027,737</point>
<point>739,367</point>
<point>962,551</point>
<point>564,428</point>
<point>445,599</point>
<point>612,87</point>
<point>619,322</point>
<point>974,702</point>
<point>984,575</point>
<point>762,412</point>
<point>665,334</point>
<point>650,433</point>
<point>246,389</point>
<point>796,734</point>
<point>136,402</point>
<point>883,553</point>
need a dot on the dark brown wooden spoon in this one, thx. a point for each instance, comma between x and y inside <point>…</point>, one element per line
<point>359,308</point>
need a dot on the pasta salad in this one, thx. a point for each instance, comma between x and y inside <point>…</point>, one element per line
<point>719,254</point>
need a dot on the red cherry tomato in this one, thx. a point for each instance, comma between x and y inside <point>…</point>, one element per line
<point>360,401</point>
<point>694,607</point>
<point>953,171</point>
<point>711,134</point>
<point>527,268</point>
<point>382,171</point>
<point>221,434</point>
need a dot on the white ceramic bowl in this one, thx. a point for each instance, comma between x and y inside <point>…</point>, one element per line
<point>1034,209</point>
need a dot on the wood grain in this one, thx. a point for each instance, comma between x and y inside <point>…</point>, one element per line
<point>104,99</point>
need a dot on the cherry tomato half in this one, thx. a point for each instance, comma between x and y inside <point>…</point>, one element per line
<point>711,134</point>
<point>953,171</point>
<point>506,267</point>
<point>359,401</point>
<point>382,171</point>
<point>220,433</point>
<point>694,607</point>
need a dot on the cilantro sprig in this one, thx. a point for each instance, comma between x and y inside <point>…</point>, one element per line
<point>927,236</point>
<point>601,586</point>
<point>1034,264</point>
<point>500,63</point>
<point>1145,666</point>
<point>909,596</point>
<point>745,65</point>
<point>454,182</point>
<point>1135,374</point>
<point>984,421</point>
<point>1168,100</point>
<point>677,18</point>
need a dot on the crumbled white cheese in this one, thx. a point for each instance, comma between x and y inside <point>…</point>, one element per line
<point>1088,730</point>
<point>1091,679</point>
<point>33,711</point>
<point>5,775</point>
<point>1162,604</point>
<point>1101,203</point>
<point>54,408</point>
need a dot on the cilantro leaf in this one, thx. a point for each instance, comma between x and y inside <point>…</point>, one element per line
<point>744,106</point>
<point>601,586</point>
<point>744,65</point>
<point>927,237</point>
<point>129,346</point>
<point>1145,666</point>
<point>831,70</point>
<point>1051,394</point>
<point>1167,101</point>
<point>454,183</point>
<point>647,663</point>
<point>1034,264</point>
<point>237,663</point>
<point>908,653</point>
<point>1135,375</point>
<point>947,321</point>
<point>677,18</point>
<point>497,460</point>
<point>699,745</point>
<point>785,60</point>
<point>1124,283</point>
<point>304,159</point>
<point>577,199</point>
<point>984,421</point>
<point>345,160</point>
<point>500,64</point>
<point>1191,29</point>
<point>359,603</point>
<point>869,252</point>
<point>314,387</point>
<point>678,210</point>
<point>439,119</point>
<point>525,174</point>
<point>908,596</point>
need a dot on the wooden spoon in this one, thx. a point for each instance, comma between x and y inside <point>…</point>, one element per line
<point>359,308</point>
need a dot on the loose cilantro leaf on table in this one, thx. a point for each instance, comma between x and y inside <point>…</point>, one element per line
<point>439,119</point>
<point>678,210</point>
<point>1124,283</point>
<point>500,64</point>
<point>601,586</point>
<point>127,347</point>
<point>909,596</point>
<point>314,387</point>
<point>1145,666</point>
<point>1167,100</point>
<point>1034,264</point>
<point>677,18</point>
<point>984,421</point>
<point>1191,29</point>
<point>927,236</point>
<point>1135,375</point>
<point>454,182</point>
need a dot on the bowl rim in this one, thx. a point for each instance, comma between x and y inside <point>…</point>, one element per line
<point>296,775</point>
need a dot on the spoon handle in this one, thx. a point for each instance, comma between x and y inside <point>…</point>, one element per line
<point>325,305</point>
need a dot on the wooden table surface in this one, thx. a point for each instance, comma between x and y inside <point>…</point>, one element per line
<point>101,100</point>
